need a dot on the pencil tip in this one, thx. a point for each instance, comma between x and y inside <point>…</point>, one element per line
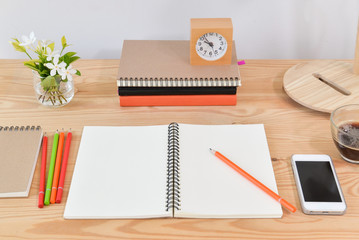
<point>212,150</point>
<point>316,75</point>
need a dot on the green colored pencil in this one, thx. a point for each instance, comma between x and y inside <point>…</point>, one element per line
<point>51,169</point>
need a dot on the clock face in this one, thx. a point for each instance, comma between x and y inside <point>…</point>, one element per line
<point>211,46</point>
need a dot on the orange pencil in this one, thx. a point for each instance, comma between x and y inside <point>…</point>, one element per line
<point>55,181</point>
<point>63,167</point>
<point>254,181</point>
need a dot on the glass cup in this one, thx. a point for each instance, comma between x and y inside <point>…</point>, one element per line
<point>62,96</point>
<point>344,122</point>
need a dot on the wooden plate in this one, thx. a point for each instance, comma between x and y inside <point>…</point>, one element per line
<point>300,84</point>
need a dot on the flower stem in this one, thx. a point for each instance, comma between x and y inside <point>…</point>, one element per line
<point>62,50</point>
<point>28,55</point>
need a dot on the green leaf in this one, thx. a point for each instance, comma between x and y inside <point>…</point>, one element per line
<point>58,79</point>
<point>51,46</point>
<point>69,58</point>
<point>31,66</point>
<point>66,59</point>
<point>44,72</point>
<point>70,54</point>
<point>33,61</point>
<point>49,83</point>
<point>78,73</point>
<point>18,47</point>
<point>72,59</point>
<point>63,42</point>
<point>16,40</point>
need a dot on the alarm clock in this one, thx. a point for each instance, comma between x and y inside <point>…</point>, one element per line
<point>211,41</point>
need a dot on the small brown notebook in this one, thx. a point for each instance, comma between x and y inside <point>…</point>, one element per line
<point>166,63</point>
<point>19,149</point>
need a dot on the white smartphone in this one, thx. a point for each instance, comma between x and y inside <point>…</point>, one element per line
<point>317,183</point>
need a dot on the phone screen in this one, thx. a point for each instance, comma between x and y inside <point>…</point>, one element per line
<point>317,182</point>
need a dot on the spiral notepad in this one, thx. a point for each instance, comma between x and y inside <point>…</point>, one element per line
<point>19,149</point>
<point>168,171</point>
<point>166,63</point>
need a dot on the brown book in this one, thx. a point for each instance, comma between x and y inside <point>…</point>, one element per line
<point>166,63</point>
<point>19,149</point>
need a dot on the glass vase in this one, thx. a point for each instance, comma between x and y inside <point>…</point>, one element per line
<point>58,96</point>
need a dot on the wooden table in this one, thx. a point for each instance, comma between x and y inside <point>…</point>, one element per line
<point>290,127</point>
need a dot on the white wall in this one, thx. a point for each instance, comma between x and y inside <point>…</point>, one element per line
<point>263,29</point>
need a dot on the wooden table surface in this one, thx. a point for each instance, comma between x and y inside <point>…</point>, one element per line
<point>290,127</point>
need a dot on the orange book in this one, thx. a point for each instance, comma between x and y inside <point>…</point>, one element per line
<point>178,100</point>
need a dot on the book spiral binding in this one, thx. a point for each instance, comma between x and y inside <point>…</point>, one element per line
<point>19,128</point>
<point>178,82</point>
<point>173,172</point>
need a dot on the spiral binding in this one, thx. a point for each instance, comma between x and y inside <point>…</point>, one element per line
<point>178,82</point>
<point>19,128</point>
<point>173,172</point>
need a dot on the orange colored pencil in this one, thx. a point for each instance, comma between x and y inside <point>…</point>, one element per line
<point>63,167</point>
<point>55,181</point>
<point>254,181</point>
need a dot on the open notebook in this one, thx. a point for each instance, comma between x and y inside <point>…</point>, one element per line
<point>168,171</point>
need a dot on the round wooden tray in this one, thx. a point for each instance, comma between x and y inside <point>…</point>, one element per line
<point>300,84</point>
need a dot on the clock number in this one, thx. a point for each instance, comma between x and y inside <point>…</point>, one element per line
<point>211,46</point>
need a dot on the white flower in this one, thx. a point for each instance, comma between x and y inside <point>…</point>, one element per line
<point>56,67</point>
<point>67,73</point>
<point>51,54</point>
<point>28,40</point>
<point>44,43</point>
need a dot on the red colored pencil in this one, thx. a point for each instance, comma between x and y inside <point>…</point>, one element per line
<point>43,172</point>
<point>63,168</point>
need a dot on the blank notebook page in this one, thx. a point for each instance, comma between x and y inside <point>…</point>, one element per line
<point>120,172</point>
<point>210,188</point>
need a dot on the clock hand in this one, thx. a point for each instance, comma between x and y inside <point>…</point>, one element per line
<point>208,42</point>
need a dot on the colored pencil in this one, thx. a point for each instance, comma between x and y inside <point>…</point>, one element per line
<point>63,167</point>
<point>50,174</point>
<point>55,180</point>
<point>254,181</point>
<point>43,172</point>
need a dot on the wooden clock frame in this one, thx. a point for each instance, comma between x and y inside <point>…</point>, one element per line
<point>200,26</point>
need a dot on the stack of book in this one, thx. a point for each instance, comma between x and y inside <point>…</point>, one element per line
<point>158,73</point>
